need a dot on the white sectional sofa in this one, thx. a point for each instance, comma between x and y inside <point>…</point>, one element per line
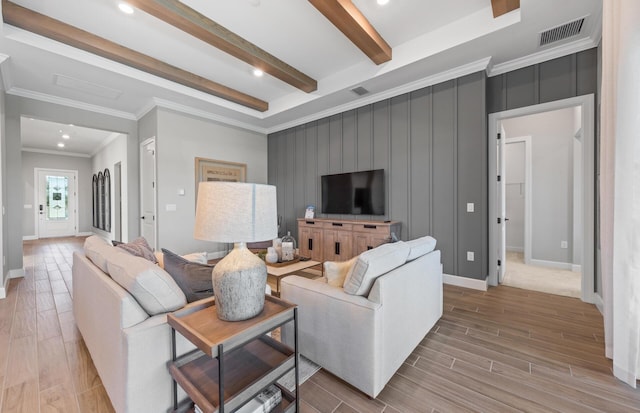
<point>363,332</point>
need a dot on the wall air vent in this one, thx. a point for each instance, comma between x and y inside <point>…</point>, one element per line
<point>561,32</point>
<point>359,91</point>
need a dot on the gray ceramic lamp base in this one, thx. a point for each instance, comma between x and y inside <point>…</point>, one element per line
<point>239,282</point>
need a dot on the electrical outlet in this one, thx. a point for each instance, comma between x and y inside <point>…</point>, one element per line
<point>470,256</point>
<point>470,207</point>
<point>564,244</point>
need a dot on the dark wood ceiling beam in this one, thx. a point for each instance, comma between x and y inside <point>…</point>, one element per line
<point>200,26</point>
<point>352,23</point>
<point>501,7</point>
<point>35,22</point>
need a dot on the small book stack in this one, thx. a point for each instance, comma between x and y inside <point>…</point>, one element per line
<point>264,402</point>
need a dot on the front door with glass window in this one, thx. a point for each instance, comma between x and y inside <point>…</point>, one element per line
<point>56,207</point>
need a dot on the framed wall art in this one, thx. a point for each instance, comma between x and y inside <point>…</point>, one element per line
<point>214,170</point>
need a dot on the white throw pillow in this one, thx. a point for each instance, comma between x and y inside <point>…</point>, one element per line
<point>420,247</point>
<point>372,264</point>
<point>150,285</point>
<point>336,271</point>
<point>98,250</point>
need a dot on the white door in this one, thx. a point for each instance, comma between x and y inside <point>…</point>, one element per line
<point>57,206</point>
<point>148,191</point>
<point>502,208</point>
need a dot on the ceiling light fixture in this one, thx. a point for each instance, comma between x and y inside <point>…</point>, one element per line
<point>125,8</point>
<point>383,2</point>
<point>66,136</point>
<point>258,72</point>
<point>61,145</point>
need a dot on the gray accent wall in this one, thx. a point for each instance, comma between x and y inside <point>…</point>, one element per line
<point>431,144</point>
<point>565,77</point>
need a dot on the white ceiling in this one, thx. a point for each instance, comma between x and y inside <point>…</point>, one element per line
<point>432,41</point>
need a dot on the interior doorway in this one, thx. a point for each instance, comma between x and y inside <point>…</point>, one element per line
<point>117,200</point>
<point>148,224</point>
<point>557,236</point>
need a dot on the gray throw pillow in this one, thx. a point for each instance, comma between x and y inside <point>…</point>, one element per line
<point>194,279</point>
<point>140,248</point>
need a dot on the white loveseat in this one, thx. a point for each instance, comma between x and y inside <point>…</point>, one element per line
<point>365,338</point>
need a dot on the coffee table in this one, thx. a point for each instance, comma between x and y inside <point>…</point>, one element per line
<point>284,270</point>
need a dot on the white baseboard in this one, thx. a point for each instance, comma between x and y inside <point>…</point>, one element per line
<point>465,282</point>
<point>29,237</point>
<point>85,234</point>
<point>599,302</point>
<point>576,267</point>
<point>4,289</point>
<point>515,249</point>
<point>17,273</point>
<point>552,264</point>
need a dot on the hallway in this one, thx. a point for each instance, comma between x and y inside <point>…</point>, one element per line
<point>543,279</point>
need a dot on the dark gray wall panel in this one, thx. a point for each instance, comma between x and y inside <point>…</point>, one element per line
<point>471,185</point>
<point>399,194</point>
<point>365,135</point>
<point>587,72</point>
<point>522,86</point>
<point>431,144</point>
<point>557,79</point>
<point>496,94</point>
<point>349,141</point>
<point>444,173</point>
<point>420,159</point>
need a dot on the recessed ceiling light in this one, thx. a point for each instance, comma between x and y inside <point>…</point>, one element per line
<point>61,145</point>
<point>66,136</point>
<point>71,124</point>
<point>125,8</point>
<point>258,72</point>
<point>383,2</point>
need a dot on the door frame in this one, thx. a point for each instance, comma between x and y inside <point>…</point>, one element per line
<point>155,189</point>
<point>36,197</point>
<point>588,156</point>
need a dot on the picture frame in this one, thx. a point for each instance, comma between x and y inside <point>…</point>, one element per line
<point>216,170</point>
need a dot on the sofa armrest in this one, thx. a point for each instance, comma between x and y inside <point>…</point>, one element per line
<point>341,332</point>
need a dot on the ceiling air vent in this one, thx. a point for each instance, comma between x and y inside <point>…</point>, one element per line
<point>359,91</point>
<point>561,32</point>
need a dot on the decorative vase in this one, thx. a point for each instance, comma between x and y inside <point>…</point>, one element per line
<point>272,255</point>
<point>277,244</point>
<point>288,247</point>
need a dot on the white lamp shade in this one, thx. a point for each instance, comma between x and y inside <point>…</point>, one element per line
<point>236,212</point>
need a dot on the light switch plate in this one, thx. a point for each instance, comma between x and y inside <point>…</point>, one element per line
<point>564,244</point>
<point>470,256</point>
<point>171,207</point>
<point>470,207</point>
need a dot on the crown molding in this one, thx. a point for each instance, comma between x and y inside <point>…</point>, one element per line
<point>166,104</point>
<point>16,91</point>
<point>467,69</point>
<point>543,56</point>
<point>5,73</point>
<point>58,153</point>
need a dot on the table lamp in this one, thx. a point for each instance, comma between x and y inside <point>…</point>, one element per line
<point>239,213</point>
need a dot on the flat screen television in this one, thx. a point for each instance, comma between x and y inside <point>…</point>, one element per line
<point>354,193</point>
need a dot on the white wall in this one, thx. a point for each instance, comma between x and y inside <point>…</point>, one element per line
<point>108,157</point>
<point>552,136</point>
<point>180,139</point>
<point>32,160</point>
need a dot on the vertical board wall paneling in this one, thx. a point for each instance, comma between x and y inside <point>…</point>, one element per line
<point>443,173</point>
<point>281,139</point>
<point>420,162</point>
<point>399,194</point>
<point>557,78</point>
<point>431,144</point>
<point>471,185</point>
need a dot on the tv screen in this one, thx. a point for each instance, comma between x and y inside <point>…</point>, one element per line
<point>355,193</point>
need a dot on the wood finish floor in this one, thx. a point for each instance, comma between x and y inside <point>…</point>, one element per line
<point>504,350</point>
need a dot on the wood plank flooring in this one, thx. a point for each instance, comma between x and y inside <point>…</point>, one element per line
<point>504,350</point>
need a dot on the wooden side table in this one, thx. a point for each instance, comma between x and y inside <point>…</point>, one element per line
<point>234,361</point>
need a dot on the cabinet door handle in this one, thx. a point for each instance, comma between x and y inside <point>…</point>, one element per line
<point>370,226</point>
<point>369,247</point>
<point>310,244</point>
<point>336,224</point>
<point>337,248</point>
<point>310,222</point>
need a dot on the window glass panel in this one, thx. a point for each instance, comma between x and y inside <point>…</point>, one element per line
<point>57,198</point>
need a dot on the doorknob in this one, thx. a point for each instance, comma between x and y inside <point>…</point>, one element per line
<point>142,217</point>
<point>506,219</point>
